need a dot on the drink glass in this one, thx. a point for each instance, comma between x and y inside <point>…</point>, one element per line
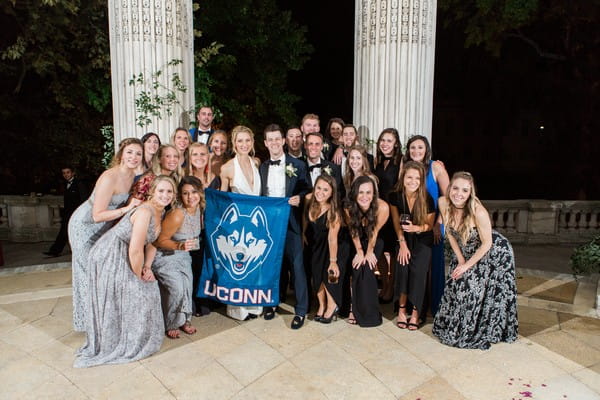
<point>404,219</point>
<point>331,278</point>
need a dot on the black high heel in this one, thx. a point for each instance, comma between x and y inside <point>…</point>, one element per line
<point>402,324</point>
<point>334,315</point>
<point>317,318</point>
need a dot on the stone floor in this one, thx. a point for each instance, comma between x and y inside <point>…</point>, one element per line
<point>557,355</point>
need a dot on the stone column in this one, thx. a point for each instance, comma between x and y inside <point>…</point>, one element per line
<point>393,66</point>
<point>145,35</point>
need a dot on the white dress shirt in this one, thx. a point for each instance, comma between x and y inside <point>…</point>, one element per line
<point>276,179</point>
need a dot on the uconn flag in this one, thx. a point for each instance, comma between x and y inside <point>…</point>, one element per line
<point>245,238</point>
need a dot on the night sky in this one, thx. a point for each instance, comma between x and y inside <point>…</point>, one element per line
<point>501,118</point>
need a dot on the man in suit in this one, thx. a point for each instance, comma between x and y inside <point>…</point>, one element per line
<point>316,164</point>
<point>285,176</point>
<point>203,130</point>
<point>75,194</point>
<point>294,143</point>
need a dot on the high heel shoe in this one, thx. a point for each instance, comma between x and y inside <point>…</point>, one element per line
<point>317,318</point>
<point>401,324</point>
<point>327,320</point>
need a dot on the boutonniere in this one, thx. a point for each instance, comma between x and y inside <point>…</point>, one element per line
<point>325,147</point>
<point>290,170</point>
<point>327,170</point>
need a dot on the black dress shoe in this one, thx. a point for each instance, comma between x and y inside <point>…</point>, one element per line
<point>269,313</point>
<point>297,322</point>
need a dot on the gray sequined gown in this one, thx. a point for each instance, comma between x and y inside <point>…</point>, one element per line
<point>173,269</point>
<point>125,322</point>
<point>83,233</point>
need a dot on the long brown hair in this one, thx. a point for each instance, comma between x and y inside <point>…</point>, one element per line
<point>313,209</point>
<point>365,170</point>
<point>420,209</point>
<point>462,225</point>
<point>355,217</point>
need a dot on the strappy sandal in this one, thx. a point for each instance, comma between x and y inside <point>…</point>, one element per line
<point>411,325</point>
<point>402,324</point>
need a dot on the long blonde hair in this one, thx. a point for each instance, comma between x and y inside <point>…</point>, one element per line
<point>157,169</point>
<point>462,225</point>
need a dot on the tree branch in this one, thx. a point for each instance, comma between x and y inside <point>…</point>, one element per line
<point>536,47</point>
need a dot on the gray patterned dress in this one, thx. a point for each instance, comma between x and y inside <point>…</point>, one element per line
<point>480,308</point>
<point>125,320</point>
<point>173,269</point>
<point>83,233</point>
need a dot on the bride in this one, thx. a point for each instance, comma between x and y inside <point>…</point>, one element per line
<point>240,175</point>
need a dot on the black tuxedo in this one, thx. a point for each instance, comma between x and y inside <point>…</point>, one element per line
<point>297,184</point>
<point>294,185</point>
<point>75,193</point>
<point>336,173</point>
<point>194,134</point>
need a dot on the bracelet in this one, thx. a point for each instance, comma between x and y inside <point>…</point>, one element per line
<point>332,259</point>
<point>401,240</point>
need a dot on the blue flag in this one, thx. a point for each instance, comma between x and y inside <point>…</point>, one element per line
<point>245,238</point>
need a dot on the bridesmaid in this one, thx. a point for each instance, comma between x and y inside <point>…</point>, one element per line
<point>365,214</point>
<point>388,162</point>
<point>173,263</point>
<point>219,155</point>
<point>321,231</point>
<point>166,162</point>
<point>125,323</point>
<point>199,164</point>
<point>413,214</point>
<point>96,216</point>
<point>479,306</point>
<point>437,180</point>
<point>181,139</point>
<point>333,138</point>
<point>151,143</point>
<point>357,164</point>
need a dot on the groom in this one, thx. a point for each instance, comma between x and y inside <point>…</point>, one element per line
<point>285,176</point>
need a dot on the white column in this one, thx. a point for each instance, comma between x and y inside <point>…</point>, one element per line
<point>145,35</point>
<point>393,66</point>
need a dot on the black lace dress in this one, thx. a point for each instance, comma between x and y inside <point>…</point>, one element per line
<point>480,308</point>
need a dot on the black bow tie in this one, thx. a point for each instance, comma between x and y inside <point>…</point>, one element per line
<point>200,133</point>
<point>274,162</point>
<point>310,169</point>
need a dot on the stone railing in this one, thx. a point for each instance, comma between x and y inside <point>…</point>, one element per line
<point>545,221</point>
<point>34,219</point>
<point>29,218</point>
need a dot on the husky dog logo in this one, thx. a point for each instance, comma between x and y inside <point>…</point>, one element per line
<point>241,242</point>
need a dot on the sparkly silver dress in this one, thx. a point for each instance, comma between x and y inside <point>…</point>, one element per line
<point>125,321</point>
<point>83,233</point>
<point>173,269</point>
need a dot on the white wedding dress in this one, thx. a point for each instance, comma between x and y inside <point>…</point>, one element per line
<point>240,185</point>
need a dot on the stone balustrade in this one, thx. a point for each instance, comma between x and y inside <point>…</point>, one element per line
<point>545,221</point>
<point>34,219</point>
<point>29,218</point>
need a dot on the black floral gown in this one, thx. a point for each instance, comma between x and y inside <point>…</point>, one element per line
<point>480,308</point>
